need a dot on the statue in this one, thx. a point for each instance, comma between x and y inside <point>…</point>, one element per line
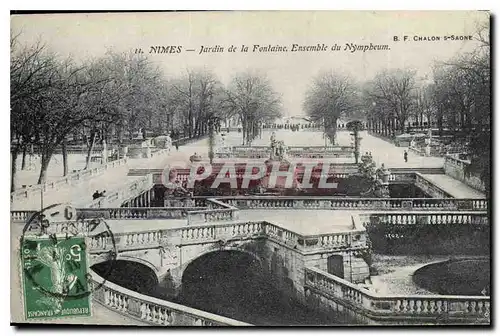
<point>273,146</point>
<point>367,166</point>
<point>168,142</point>
<point>283,151</point>
<point>428,143</point>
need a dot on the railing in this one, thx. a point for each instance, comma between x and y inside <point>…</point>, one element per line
<point>340,203</point>
<point>293,151</point>
<point>457,168</point>
<point>250,230</point>
<point>417,151</point>
<point>151,310</point>
<point>402,177</point>
<point>129,191</point>
<point>404,308</point>
<point>82,175</point>
<point>429,187</point>
<point>428,218</point>
<point>160,152</point>
<point>212,215</point>
<point>137,213</point>
<point>177,209</point>
<point>211,233</point>
<point>21,215</point>
<point>186,140</point>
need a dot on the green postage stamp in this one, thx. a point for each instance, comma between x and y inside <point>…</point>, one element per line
<point>55,277</point>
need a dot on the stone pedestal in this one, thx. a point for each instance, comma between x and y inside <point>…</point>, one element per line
<point>124,152</point>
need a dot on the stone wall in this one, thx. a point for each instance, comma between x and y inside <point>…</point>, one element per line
<point>457,169</point>
<point>356,269</point>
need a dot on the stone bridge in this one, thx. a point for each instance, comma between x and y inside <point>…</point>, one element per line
<point>322,270</point>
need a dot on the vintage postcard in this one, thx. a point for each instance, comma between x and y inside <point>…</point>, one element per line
<point>267,168</point>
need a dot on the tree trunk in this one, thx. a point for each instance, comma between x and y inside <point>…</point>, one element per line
<point>13,168</point>
<point>243,131</point>
<point>120,134</point>
<point>46,156</point>
<point>90,149</point>
<point>211,143</point>
<point>440,124</point>
<point>23,162</point>
<point>64,157</point>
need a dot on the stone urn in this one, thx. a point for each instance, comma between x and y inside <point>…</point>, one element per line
<point>124,151</point>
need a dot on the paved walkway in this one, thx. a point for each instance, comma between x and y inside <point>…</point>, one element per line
<point>30,175</point>
<point>392,156</point>
<point>298,221</point>
<point>454,187</point>
<point>395,274</point>
<point>81,194</point>
<point>382,151</point>
<point>305,222</point>
<point>175,158</point>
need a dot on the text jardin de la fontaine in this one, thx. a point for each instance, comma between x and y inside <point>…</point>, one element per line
<point>268,48</point>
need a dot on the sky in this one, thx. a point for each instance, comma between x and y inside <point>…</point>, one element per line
<point>91,35</point>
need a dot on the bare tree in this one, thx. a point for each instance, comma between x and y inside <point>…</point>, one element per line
<point>330,96</point>
<point>32,69</point>
<point>393,90</point>
<point>251,97</point>
<point>463,97</point>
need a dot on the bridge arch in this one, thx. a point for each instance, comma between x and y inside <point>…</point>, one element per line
<point>144,262</point>
<point>213,250</point>
<point>132,273</point>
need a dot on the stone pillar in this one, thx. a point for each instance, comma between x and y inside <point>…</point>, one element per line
<point>124,152</point>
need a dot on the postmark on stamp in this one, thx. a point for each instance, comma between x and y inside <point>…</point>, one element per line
<point>56,251</point>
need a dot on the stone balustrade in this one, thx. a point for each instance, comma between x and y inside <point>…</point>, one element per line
<point>151,310</point>
<point>137,213</point>
<point>201,205</point>
<point>207,233</point>
<point>213,203</point>
<point>129,191</point>
<point>406,177</point>
<point>404,309</point>
<point>342,203</point>
<point>457,169</point>
<point>212,215</point>
<point>124,241</point>
<point>21,215</point>
<point>320,155</point>
<point>429,187</point>
<point>250,230</point>
<point>427,217</point>
<point>336,241</point>
<point>417,151</point>
<point>255,152</point>
<point>70,179</point>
